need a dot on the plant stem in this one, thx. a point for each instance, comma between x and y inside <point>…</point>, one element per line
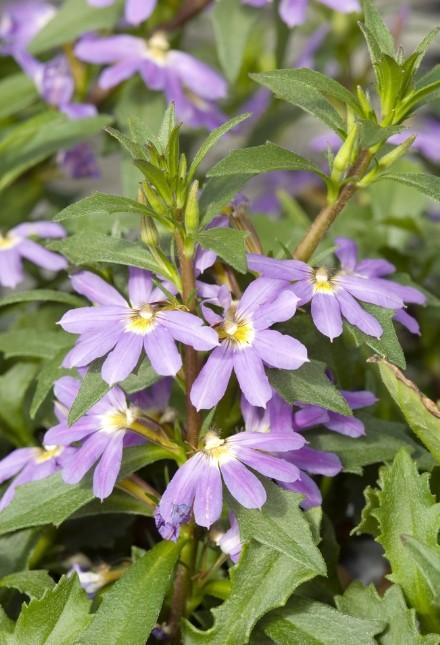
<point>328,214</point>
<point>189,11</point>
<point>182,584</point>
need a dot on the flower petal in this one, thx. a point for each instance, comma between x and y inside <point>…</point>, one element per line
<point>91,319</point>
<point>189,329</point>
<point>259,291</point>
<point>267,465</point>
<point>197,76</point>
<point>279,350</point>
<point>123,359</point>
<point>208,501</point>
<point>84,458</point>
<point>66,390</point>
<point>140,286</point>
<point>316,462</point>
<point>91,346</point>
<point>281,309</point>
<point>212,381</point>
<point>41,256</point>
<point>136,11</point>
<point>348,426</point>
<point>11,268</point>
<point>268,441</point>
<point>242,484</point>
<point>110,50</point>
<point>251,377</point>
<point>307,487</point>
<point>346,252</point>
<point>107,471</point>
<point>96,289</point>
<point>162,351</point>
<point>279,269</point>
<point>39,229</point>
<point>14,462</point>
<point>369,290</point>
<point>407,321</point>
<point>326,315</point>
<point>359,398</point>
<point>63,435</point>
<point>355,315</point>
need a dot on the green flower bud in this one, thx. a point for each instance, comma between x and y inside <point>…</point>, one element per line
<point>346,154</point>
<point>191,215</point>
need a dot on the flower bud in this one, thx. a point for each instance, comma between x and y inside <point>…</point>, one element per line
<point>149,233</point>
<point>191,215</point>
<point>346,154</point>
<point>154,199</point>
<point>364,103</point>
<point>386,161</point>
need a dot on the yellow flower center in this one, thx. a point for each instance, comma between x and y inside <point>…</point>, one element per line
<point>44,454</point>
<point>141,321</point>
<point>322,281</point>
<point>217,449</point>
<point>8,241</point>
<point>239,332</point>
<point>158,47</point>
<point>116,420</point>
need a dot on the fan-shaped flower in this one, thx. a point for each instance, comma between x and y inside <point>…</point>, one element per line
<point>294,12</point>
<point>15,246</point>
<point>26,465</point>
<point>136,11</point>
<point>104,431</point>
<point>229,541</point>
<point>192,85</point>
<point>247,344</point>
<point>122,331</point>
<point>197,485</point>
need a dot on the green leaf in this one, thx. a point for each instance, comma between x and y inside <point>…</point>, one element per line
<point>14,385</point>
<point>263,580</point>
<point>281,525</point>
<point>41,295</point>
<point>32,583</point>
<point>388,344</point>
<point>83,248</point>
<point>428,560</point>
<point>421,414</point>
<point>305,76</point>
<point>33,343</point>
<point>37,138</point>
<point>73,19</point>
<point>233,24</point>
<point>118,502</point>
<point>211,140</point>
<point>418,516</point>
<point>18,92</point>
<point>167,126</point>
<point>48,373</point>
<point>302,91</point>
<point>373,133</point>
<point>402,625</point>
<point>309,384</point>
<point>377,27</point>
<point>134,149</point>
<point>16,550</point>
<point>425,184</point>
<point>259,159</point>
<point>308,622</point>
<point>57,618</point>
<point>382,440</point>
<point>228,243</point>
<point>130,609</point>
<point>100,203</point>
<point>217,193</point>
<point>145,377</point>
<point>51,501</point>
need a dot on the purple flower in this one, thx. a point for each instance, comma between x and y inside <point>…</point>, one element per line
<point>15,245</point>
<point>294,12</point>
<point>197,485</point>
<point>192,85</point>
<point>30,464</point>
<point>90,581</point>
<point>374,270</point>
<point>104,430</point>
<point>79,162</point>
<point>20,21</point>
<point>122,331</point>
<point>265,189</point>
<point>427,132</point>
<point>136,11</point>
<point>229,542</point>
<point>247,344</point>
<point>334,294</point>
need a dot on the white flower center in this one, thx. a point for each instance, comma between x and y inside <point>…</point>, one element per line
<point>47,453</point>
<point>217,449</point>
<point>158,48</point>
<point>141,320</point>
<point>240,333</point>
<point>322,281</point>
<point>116,420</point>
<point>8,241</point>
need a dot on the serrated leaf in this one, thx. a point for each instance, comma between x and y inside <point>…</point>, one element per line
<point>309,384</point>
<point>308,622</point>
<point>18,92</point>
<point>144,377</point>
<point>426,184</point>
<point>259,159</point>
<point>402,624</point>
<point>101,203</point>
<point>73,19</point>
<point>134,149</point>
<point>82,248</point>
<point>373,133</point>
<point>387,345</point>
<point>51,501</point>
<point>428,560</point>
<point>39,137</point>
<point>167,126</point>
<point>422,414</point>
<point>57,618</point>
<point>305,89</point>
<point>217,193</point>
<point>211,140</point>
<point>41,295</point>
<point>281,525</point>
<point>33,343</point>
<point>233,24</point>
<point>32,583</point>
<point>416,515</point>
<point>260,568</point>
<point>228,243</point>
<point>382,440</point>
<point>130,609</point>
